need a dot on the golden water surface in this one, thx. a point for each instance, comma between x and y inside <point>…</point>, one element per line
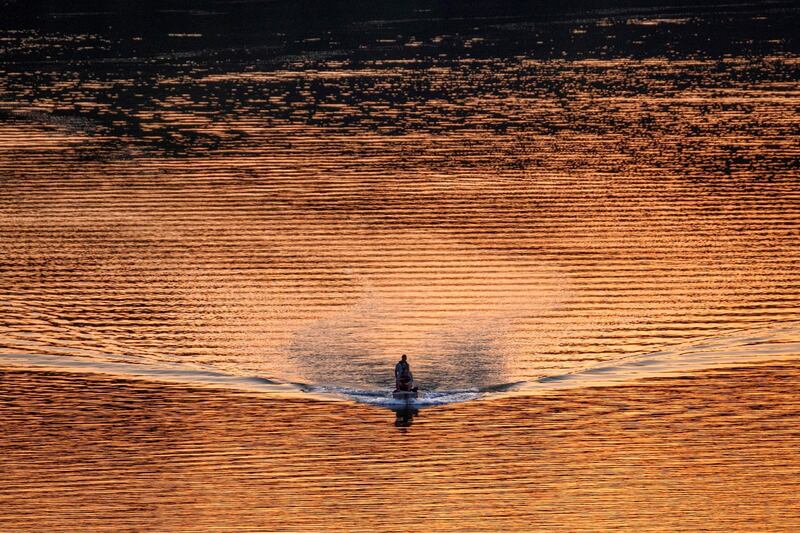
<point>198,223</point>
<point>713,452</point>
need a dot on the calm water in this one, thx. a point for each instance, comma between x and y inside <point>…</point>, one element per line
<point>714,452</point>
<point>220,227</point>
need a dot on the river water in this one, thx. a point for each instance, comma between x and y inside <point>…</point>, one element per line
<point>221,226</point>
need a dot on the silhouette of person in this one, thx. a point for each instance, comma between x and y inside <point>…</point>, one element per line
<point>403,378</point>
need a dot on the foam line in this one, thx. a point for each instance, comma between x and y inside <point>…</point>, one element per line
<point>772,347</point>
<point>749,347</point>
<point>164,372</point>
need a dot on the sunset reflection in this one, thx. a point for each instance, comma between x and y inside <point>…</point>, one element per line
<point>597,458</point>
<point>221,226</point>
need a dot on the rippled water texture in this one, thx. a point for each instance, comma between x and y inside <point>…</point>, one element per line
<point>216,222</point>
<point>716,452</point>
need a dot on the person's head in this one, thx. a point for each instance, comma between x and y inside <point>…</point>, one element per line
<point>404,357</point>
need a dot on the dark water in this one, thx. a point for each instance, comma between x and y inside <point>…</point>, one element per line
<point>217,220</point>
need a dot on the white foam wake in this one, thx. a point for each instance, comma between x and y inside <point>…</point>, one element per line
<point>383,398</point>
<point>751,347</point>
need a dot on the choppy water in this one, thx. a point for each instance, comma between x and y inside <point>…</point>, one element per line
<point>530,206</point>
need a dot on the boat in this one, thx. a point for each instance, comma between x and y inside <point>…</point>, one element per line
<point>406,395</point>
<point>405,388</point>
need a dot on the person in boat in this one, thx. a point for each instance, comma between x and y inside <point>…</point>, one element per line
<point>404,379</point>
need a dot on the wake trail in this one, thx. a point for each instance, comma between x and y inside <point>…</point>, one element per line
<point>748,346</point>
<point>165,372</point>
<point>752,347</point>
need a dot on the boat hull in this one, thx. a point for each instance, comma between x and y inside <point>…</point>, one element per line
<point>404,395</point>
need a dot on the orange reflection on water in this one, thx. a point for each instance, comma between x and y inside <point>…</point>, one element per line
<point>716,451</point>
